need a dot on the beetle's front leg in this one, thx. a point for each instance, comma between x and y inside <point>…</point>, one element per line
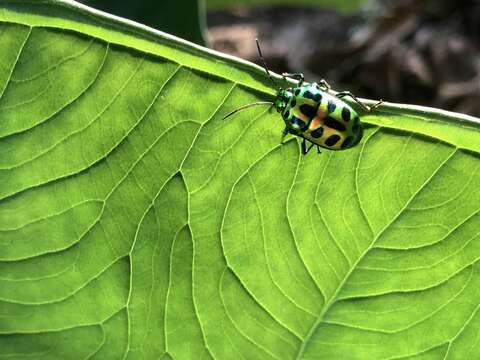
<point>284,133</point>
<point>304,147</point>
<point>297,76</point>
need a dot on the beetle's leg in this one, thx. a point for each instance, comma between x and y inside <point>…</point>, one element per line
<point>304,147</point>
<point>323,83</point>
<point>318,150</point>
<point>364,107</point>
<point>349,94</point>
<point>376,105</point>
<point>297,76</point>
<point>284,133</point>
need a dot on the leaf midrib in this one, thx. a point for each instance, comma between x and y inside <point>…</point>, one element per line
<point>334,298</point>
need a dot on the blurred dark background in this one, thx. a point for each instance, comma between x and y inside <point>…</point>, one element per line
<point>424,52</point>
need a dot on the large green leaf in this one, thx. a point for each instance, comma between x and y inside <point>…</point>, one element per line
<point>134,222</point>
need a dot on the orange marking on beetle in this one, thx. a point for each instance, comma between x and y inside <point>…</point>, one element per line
<point>316,122</point>
<point>300,115</point>
<point>322,111</point>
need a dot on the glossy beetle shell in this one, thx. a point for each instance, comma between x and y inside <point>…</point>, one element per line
<point>319,117</point>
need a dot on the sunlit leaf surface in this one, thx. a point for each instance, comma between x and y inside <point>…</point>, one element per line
<point>136,223</point>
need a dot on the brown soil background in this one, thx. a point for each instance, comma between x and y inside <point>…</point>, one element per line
<point>407,51</point>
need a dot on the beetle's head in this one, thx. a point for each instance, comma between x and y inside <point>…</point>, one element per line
<point>283,97</point>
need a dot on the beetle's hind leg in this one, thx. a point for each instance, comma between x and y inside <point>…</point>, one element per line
<point>364,107</point>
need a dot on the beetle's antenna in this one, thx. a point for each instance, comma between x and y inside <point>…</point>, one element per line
<point>265,64</point>
<point>247,106</point>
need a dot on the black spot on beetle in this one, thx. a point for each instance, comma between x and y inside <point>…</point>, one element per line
<point>347,141</point>
<point>297,92</point>
<point>299,123</point>
<point>315,97</point>
<point>356,125</point>
<point>331,106</point>
<point>286,115</point>
<point>334,124</point>
<point>307,94</point>
<point>332,140</point>
<point>293,103</point>
<point>308,110</point>
<point>317,133</point>
<point>346,114</point>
